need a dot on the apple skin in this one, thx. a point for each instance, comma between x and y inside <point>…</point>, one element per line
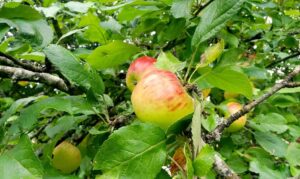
<point>137,69</point>
<point>66,157</point>
<point>238,124</point>
<point>159,98</point>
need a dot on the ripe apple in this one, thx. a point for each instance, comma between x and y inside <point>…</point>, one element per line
<point>238,124</point>
<point>66,157</point>
<point>137,69</point>
<point>159,98</point>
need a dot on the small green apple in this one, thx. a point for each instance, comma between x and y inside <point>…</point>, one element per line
<point>66,157</point>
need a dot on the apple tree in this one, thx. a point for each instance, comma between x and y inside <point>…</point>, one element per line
<point>218,99</point>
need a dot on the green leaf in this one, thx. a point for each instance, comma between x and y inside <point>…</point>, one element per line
<point>196,126</point>
<point>36,32</point>
<point>168,61</point>
<point>293,154</point>
<point>129,13</point>
<point>78,6</point>
<point>20,162</point>
<point>71,68</point>
<point>264,171</point>
<point>112,25</point>
<point>181,8</point>
<point>204,161</point>
<point>94,32</point>
<point>62,125</point>
<point>227,79</point>
<point>283,101</point>
<point>3,30</point>
<point>270,122</point>
<point>212,53</point>
<point>173,30</point>
<point>257,153</point>
<point>20,12</point>
<point>35,56</point>
<point>111,55</point>
<point>214,18</point>
<point>271,143</point>
<point>135,151</point>
<point>237,164</point>
<point>71,104</point>
<point>20,103</point>
<point>290,90</point>
<point>189,162</point>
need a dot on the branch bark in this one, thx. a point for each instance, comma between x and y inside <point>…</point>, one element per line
<point>27,65</point>
<point>22,74</point>
<point>223,169</point>
<point>216,134</point>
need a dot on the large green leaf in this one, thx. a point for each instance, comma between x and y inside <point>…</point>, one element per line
<point>20,162</point>
<point>111,55</point>
<point>214,18</point>
<point>135,151</point>
<point>71,68</point>
<point>271,143</point>
<point>227,79</point>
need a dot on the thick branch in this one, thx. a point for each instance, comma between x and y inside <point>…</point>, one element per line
<point>6,61</point>
<point>22,74</point>
<point>293,84</point>
<point>223,169</point>
<point>216,134</point>
<point>27,65</point>
<point>283,59</point>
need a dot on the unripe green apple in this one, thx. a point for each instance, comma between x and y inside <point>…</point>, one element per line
<point>66,157</point>
<point>238,124</point>
<point>137,69</point>
<point>159,98</point>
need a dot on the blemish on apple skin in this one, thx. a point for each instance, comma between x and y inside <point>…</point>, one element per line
<point>175,107</point>
<point>169,98</point>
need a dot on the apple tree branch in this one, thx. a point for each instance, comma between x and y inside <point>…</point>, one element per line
<point>286,82</point>
<point>23,74</point>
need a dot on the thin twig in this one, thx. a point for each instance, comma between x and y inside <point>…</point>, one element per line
<point>56,27</point>
<point>201,8</point>
<point>22,74</point>
<point>283,59</point>
<point>216,134</point>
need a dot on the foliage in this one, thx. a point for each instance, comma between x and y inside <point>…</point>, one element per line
<point>242,47</point>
